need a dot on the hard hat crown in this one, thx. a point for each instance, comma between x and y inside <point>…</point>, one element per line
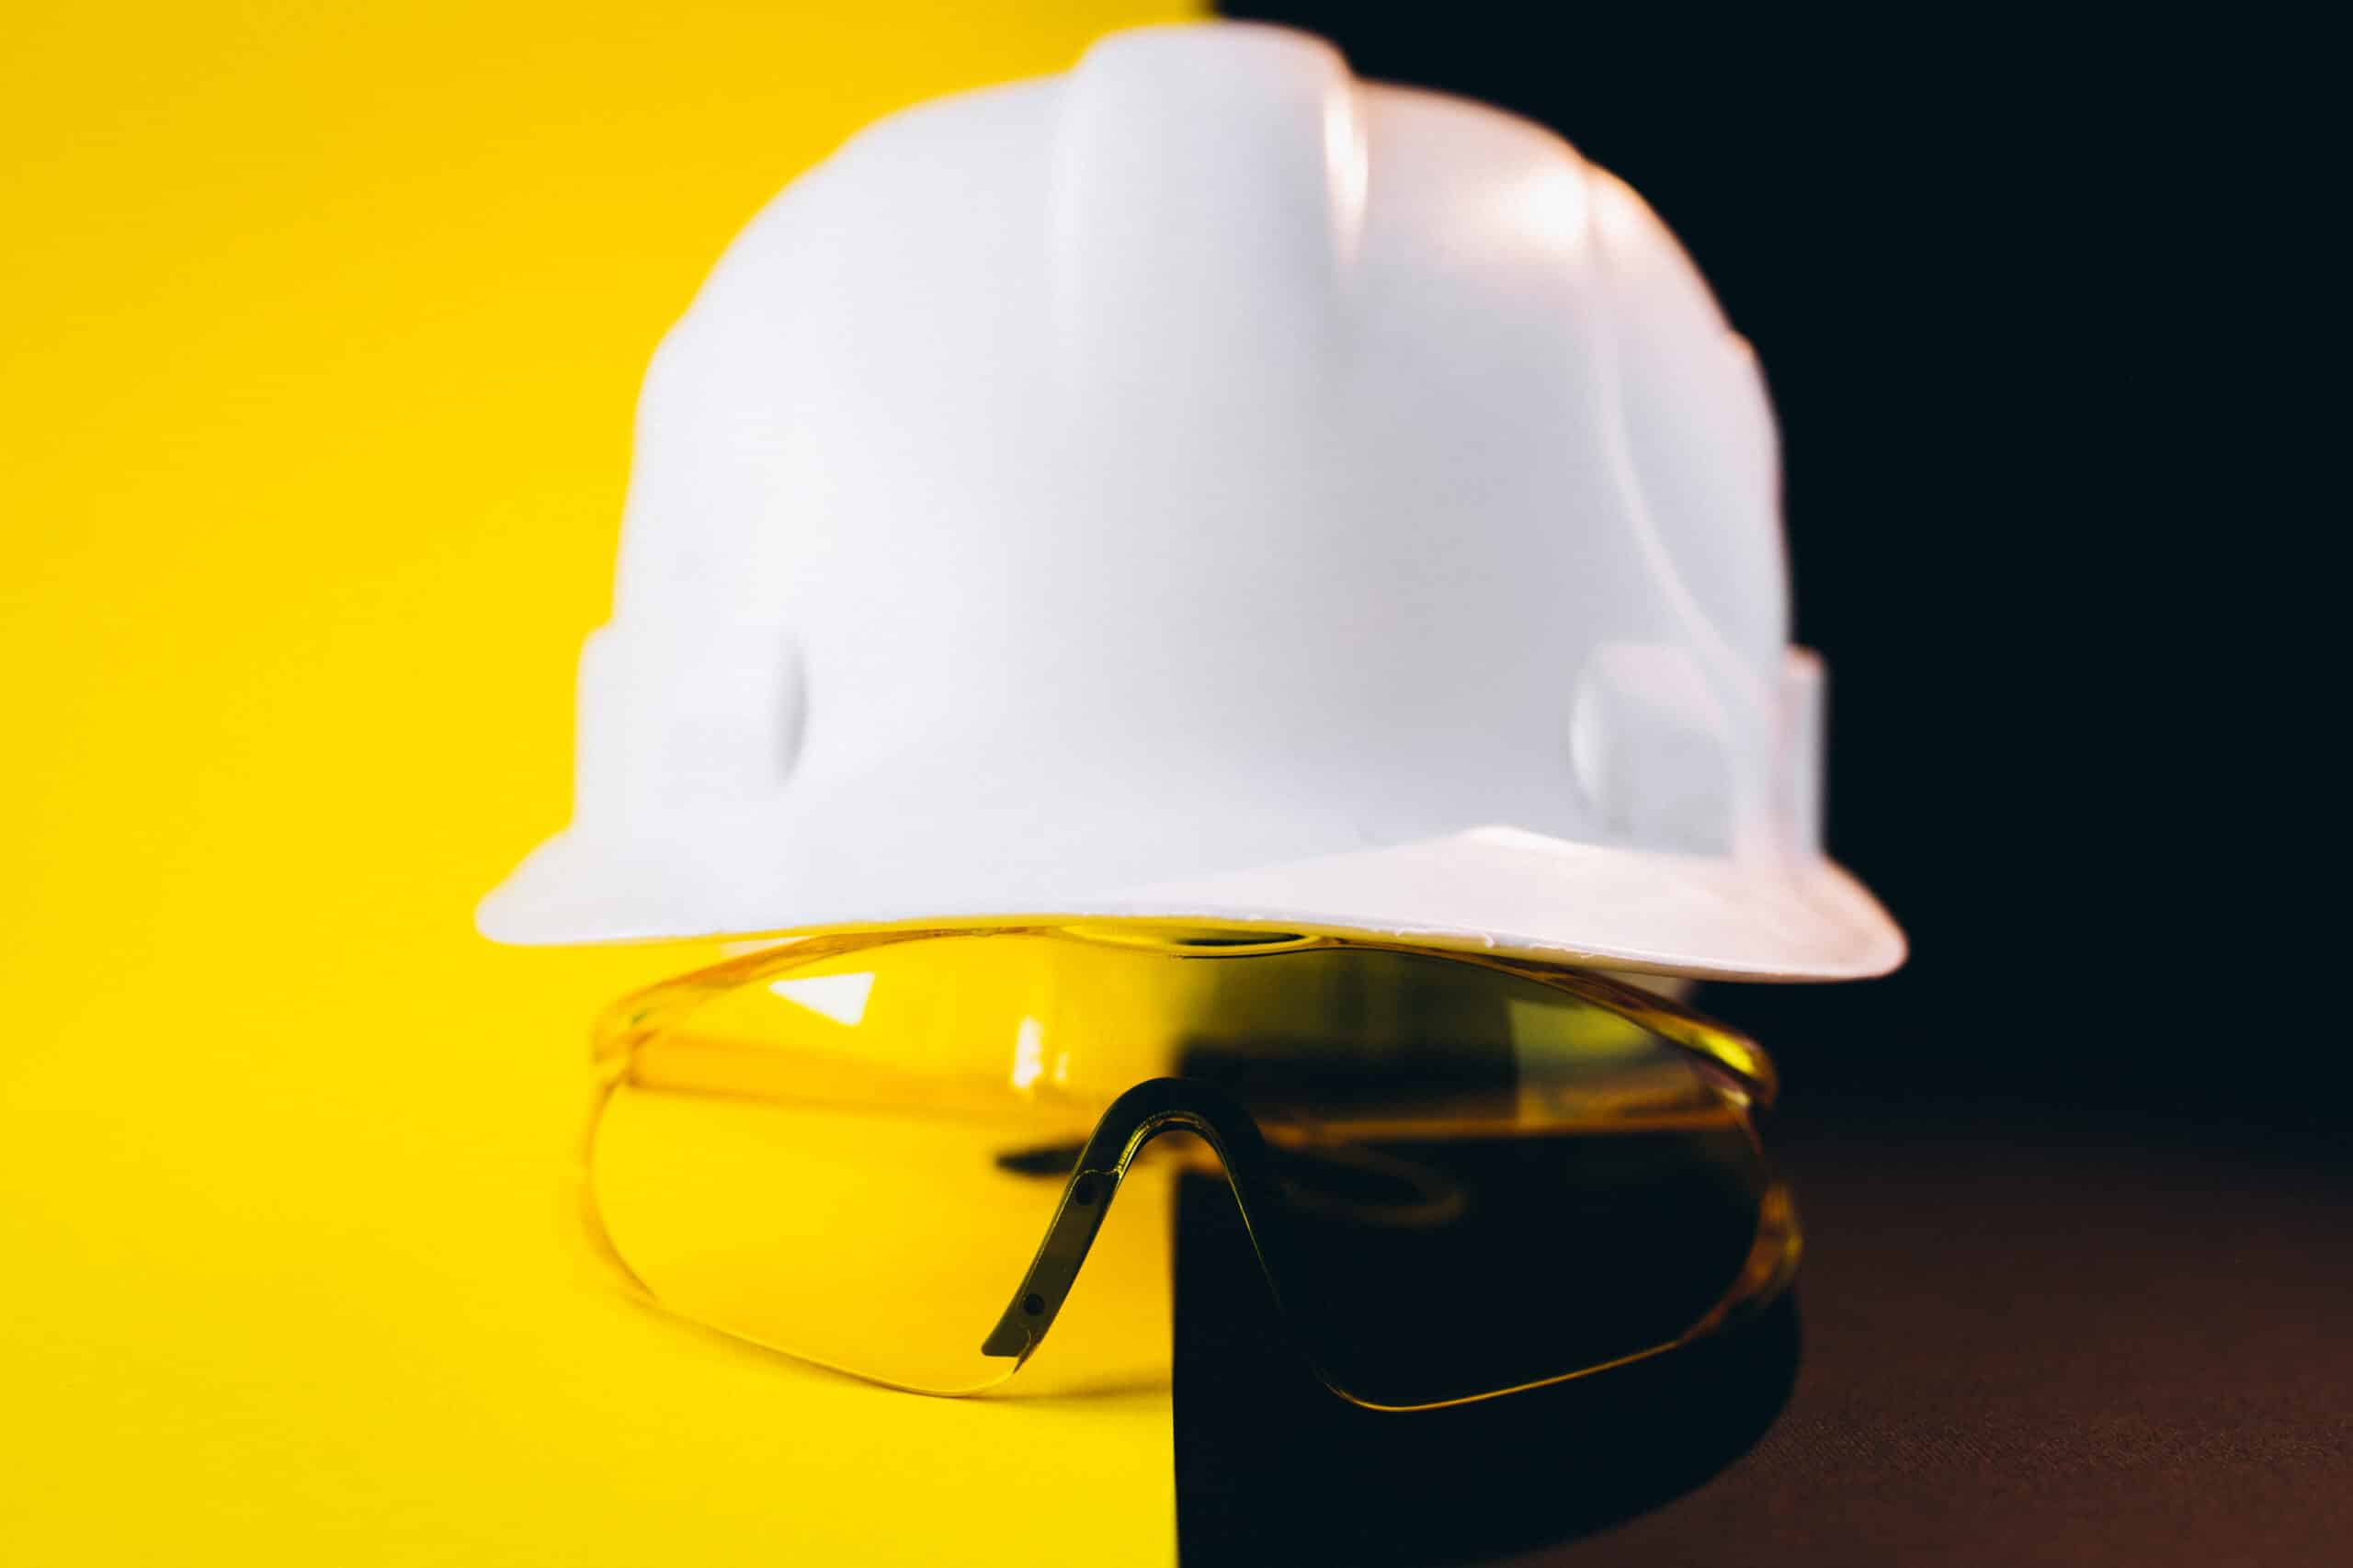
<point>1198,463</point>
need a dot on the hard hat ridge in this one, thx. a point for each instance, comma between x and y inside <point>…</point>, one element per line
<point>1209,190</point>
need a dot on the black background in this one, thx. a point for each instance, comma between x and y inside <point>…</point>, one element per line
<point>2079,1279</point>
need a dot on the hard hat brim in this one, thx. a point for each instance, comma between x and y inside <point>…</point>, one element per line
<point>1490,889</point>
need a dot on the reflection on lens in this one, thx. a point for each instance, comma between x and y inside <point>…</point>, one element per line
<point>1476,1181</point>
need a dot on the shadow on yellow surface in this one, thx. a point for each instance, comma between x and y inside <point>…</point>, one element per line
<point>323,328</point>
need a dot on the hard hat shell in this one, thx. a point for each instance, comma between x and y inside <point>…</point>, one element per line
<point>1202,485</point>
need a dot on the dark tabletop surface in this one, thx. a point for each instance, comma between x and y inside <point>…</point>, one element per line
<point>2019,1335</point>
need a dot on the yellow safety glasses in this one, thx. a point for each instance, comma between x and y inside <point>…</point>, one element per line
<point>909,1155</point>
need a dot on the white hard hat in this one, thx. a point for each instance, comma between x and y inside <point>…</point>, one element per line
<point>1205,486</point>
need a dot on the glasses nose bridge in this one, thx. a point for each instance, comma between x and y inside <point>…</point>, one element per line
<point>1208,1129</point>
<point>1144,1112</point>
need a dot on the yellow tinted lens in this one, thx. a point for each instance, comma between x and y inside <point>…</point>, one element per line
<point>879,1244</point>
<point>853,1161</point>
<point>851,1151</point>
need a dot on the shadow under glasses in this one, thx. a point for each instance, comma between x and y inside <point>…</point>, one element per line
<point>1271,1467</point>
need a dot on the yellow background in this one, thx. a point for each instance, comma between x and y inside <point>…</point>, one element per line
<point>320,330</point>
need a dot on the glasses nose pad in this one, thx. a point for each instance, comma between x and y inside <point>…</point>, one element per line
<point>1054,1271</point>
